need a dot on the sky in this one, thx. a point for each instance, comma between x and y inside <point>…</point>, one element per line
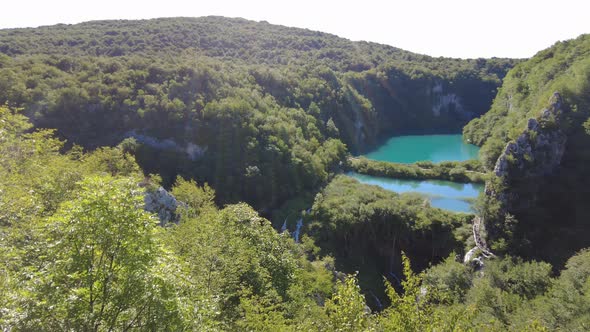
<point>452,28</point>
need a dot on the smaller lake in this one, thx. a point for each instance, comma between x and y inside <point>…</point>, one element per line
<point>435,148</point>
<point>446,195</point>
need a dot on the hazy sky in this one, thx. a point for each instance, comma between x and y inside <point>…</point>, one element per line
<point>457,28</point>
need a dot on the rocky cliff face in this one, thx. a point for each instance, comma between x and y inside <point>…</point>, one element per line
<point>444,102</point>
<point>519,176</point>
<point>164,204</point>
<point>521,170</point>
<point>535,153</point>
<point>538,150</point>
<point>395,104</point>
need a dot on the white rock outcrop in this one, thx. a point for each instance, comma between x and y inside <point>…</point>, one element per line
<point>164,204</point>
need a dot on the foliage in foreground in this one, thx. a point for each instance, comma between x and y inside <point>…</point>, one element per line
<point>79,253</point>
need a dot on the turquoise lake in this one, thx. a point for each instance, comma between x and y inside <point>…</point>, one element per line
<point>442,194</point>
<point>446,195</point>
<point>413,148</point>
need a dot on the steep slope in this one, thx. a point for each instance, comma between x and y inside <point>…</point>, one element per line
<point>525,92</point>
<point>256,110</point>
<point>535,139</point>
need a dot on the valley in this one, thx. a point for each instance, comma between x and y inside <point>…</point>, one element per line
<point>215,174</point>
<point>426,148</point>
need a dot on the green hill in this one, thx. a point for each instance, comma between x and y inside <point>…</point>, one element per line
<point>249,107</point>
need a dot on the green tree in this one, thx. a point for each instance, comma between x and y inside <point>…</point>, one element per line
<point>567,304</point>
<point>197,198</point>
<point>346,309</point>
<point>104,268</point>
<point>416,309</point>
<point>450,278</point>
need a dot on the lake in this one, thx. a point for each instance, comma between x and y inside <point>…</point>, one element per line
<point>446,195</point>
<point>435,148</point>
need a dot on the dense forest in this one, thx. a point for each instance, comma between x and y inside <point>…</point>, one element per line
<point>141,161</point>
<point>257,111</point>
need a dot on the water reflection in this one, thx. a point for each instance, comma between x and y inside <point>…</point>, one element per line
<point>442,194</point>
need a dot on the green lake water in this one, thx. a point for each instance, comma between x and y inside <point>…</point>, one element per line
<point>413,148</point>
<point>446,195</point>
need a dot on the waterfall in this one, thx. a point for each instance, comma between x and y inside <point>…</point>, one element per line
<point>399,282</point>
<point>298,226</point>
<point>298,229</point>
<point>377,301</point>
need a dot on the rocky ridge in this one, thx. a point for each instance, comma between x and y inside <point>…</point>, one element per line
<point>535,153</point>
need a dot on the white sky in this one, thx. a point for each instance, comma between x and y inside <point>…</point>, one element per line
<point>456,28</point>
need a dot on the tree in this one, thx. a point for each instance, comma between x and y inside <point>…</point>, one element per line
<point>104,268</point>
<point>416,309</point>
<point>197,198</point>
<point>346,309</point>
<point>566,305</point>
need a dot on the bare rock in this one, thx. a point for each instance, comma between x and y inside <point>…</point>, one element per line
<point>470,255</point>
<point>537,152</point>
<point>164,204</point>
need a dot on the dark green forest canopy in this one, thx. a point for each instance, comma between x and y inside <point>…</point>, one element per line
<point>295,66</point>
<point>365,228</point>
<point>226,38</point>
<point>259,111</point>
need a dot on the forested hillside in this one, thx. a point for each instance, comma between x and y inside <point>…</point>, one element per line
<point>543,182</point>
<point>257,111</point>
<point>139,159</point>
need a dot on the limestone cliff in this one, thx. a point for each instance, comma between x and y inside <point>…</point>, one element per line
<point>164,204</point>
<point>377,107</point>
<point>445,103</point>
<point>535,153</point>
<point>521,171</point>
<point>191,150</point>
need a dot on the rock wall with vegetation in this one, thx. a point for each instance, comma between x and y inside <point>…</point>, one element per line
<point>536,140</point>
<point>536,153</point>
